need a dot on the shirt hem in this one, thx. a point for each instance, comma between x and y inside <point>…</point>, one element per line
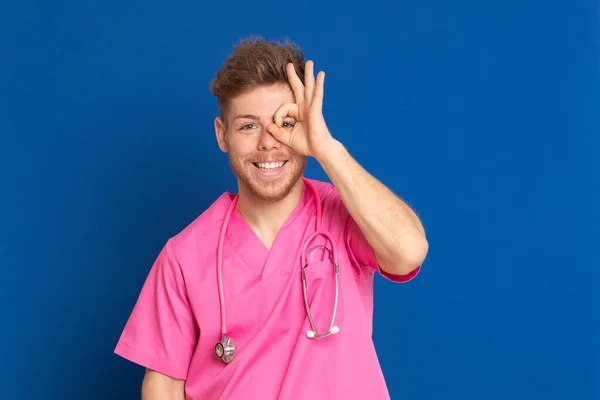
<point>148,361</point>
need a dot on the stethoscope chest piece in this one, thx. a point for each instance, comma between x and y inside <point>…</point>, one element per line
<point>225,349</point>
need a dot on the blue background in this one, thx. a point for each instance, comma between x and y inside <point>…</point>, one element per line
<point>482,115</point>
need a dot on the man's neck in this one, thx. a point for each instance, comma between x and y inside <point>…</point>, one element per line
<point>265,218</point>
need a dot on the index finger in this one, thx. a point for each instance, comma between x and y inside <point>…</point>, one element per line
<point>295,82</point>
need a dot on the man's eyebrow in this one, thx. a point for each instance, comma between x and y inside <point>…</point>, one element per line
<point>246,116</point>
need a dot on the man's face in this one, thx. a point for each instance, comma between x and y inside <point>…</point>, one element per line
<point>265,168</point>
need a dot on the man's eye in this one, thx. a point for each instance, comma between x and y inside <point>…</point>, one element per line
<point>247,127</point>
<point>287,124</point>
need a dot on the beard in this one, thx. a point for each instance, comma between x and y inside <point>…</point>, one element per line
<point>268,190</point>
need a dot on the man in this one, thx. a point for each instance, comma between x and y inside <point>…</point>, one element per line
<point>269,294</point>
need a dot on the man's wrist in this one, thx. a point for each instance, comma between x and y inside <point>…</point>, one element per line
<point>330,153</point>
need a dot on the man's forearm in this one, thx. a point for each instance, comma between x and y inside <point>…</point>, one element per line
<point>156,386</point>
<point>390,226</point>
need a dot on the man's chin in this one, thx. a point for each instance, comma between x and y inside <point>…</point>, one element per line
<point>270,190</point>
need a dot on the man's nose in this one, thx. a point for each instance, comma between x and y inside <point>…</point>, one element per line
<point>267,141</point>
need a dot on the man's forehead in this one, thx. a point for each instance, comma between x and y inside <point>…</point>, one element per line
<point>261,101</point>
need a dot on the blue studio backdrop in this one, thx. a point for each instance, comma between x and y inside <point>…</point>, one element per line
<point>482,115</point>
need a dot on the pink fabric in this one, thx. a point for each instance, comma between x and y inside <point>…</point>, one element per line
<point>176,321</point>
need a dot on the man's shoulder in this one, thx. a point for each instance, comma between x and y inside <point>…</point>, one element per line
<point>327,192</point>
<point>324,188</point>
<point>204,229</point>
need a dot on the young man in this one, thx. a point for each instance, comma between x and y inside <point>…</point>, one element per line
<point>269,293</point>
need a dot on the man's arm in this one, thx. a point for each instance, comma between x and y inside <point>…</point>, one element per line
<point>388,224</point>
<point>390,227</point>
<point>157,386</point>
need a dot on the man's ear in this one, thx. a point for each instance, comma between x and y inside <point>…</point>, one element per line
<point>221,133</point>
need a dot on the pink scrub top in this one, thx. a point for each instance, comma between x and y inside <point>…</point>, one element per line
<point>176,321</point>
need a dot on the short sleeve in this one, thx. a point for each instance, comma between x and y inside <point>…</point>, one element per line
<point>364,256</point>
<point>360,251</point>
<point>161,333</point>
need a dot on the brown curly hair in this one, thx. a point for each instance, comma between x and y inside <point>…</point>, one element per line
<point>255,62</point>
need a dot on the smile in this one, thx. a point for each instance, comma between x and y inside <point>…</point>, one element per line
<point>270,166</point>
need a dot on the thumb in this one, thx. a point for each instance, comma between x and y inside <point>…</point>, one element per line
<point>285,110</point>
<point>280,134</point>
<point>276,128</point>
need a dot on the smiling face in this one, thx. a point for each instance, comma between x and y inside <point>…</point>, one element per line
<point>266,169</point>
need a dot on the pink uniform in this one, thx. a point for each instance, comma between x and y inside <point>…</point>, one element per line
<point>176,321</point>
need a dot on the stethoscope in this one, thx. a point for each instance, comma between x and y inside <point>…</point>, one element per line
<point>225,349</point>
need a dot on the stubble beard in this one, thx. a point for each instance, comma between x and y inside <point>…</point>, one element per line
<point>269,191</point>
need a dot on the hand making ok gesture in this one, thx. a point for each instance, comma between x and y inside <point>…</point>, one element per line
<point>309,136</point>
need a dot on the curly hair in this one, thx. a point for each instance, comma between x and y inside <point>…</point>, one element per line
<point>255,62</point>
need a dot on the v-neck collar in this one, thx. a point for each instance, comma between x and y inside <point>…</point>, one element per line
<point>252,250</point>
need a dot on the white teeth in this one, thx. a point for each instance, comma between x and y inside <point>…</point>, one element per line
<point>271,165</point>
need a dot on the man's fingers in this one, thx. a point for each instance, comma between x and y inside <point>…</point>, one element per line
<point>309,93</point>
<point>285,110</point>
<point>309,81</point>
<point>280,134</point>
<point>295,83</point>
<point>317,99</point>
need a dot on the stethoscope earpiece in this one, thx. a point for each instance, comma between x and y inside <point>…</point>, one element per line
<point>311,334</point>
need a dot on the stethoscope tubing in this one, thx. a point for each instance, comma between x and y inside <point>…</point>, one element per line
<point>226,341</point>
<point>224,226</point>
